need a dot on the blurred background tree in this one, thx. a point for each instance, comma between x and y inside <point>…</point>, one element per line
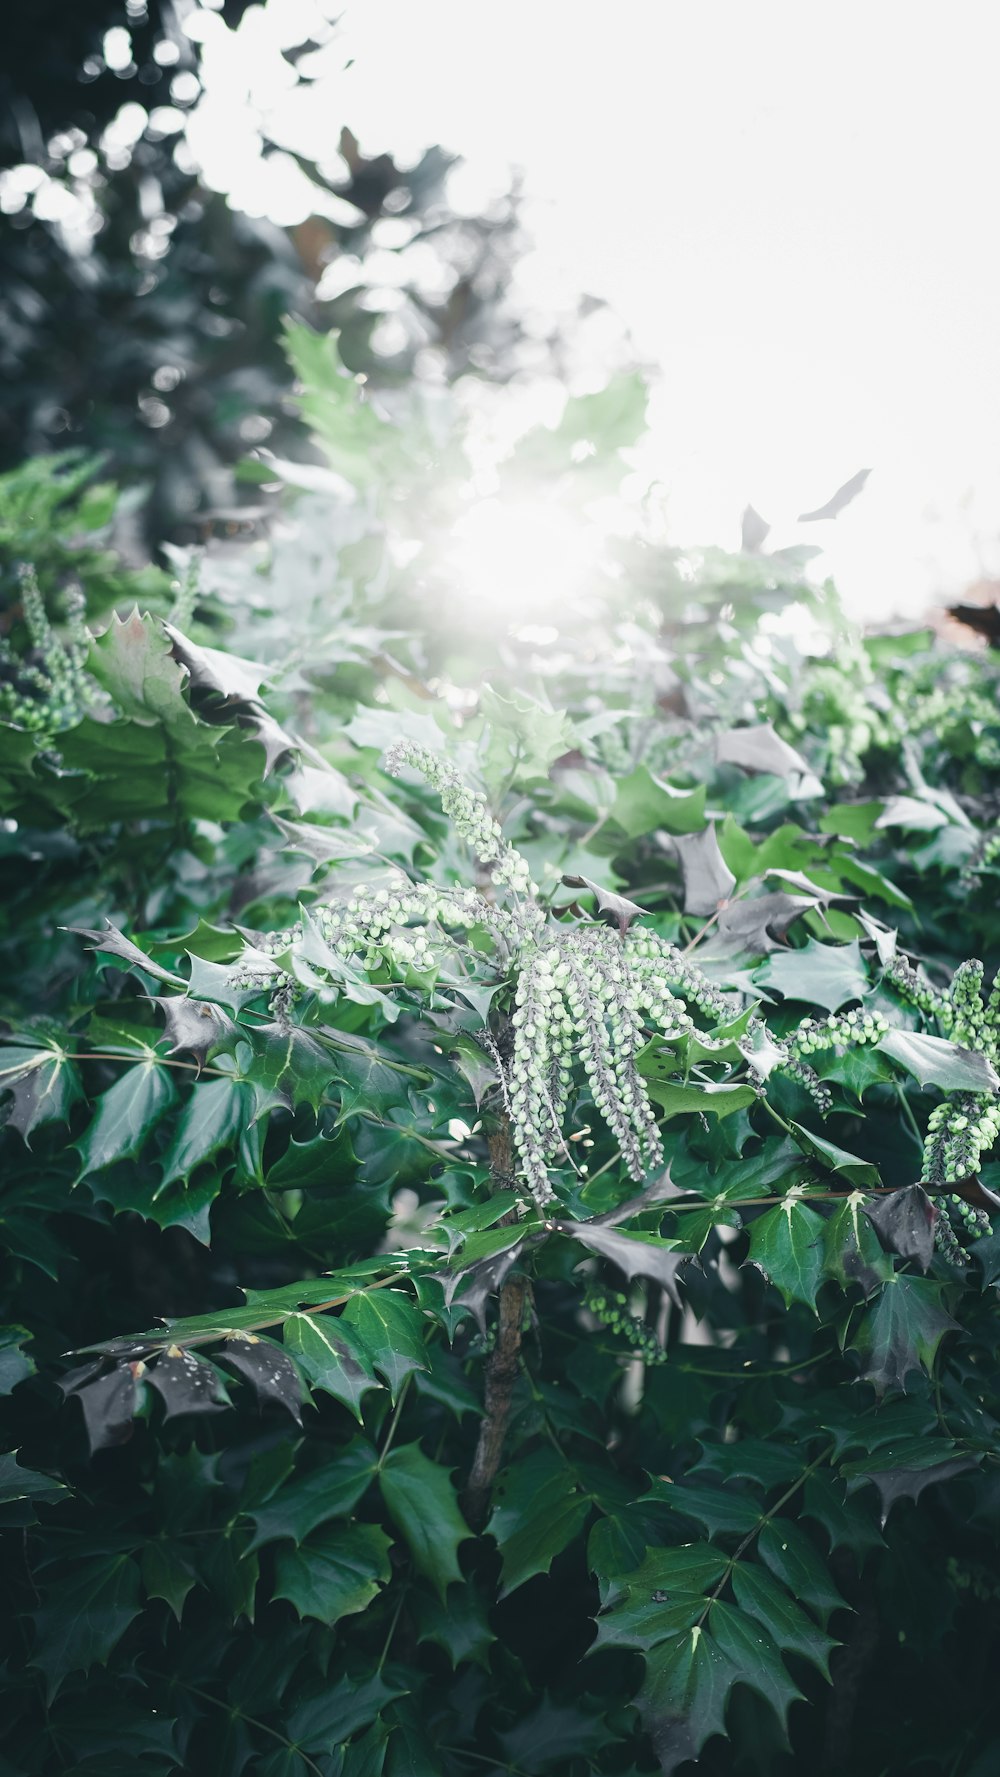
<point>140,312</point>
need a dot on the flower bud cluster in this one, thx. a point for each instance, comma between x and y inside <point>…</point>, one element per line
<point>959,1132</point>
<point>468,811</point>
<point>52,691</point>
<point>913,986</point>
<point>808,1078</point>
<point>853,1029</point>
<point>958,1221</point>
<point>969,1024</point>
<point>610,1308</point>
<point>654,959</point>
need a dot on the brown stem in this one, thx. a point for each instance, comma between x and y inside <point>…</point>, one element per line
<point>504,1362</point>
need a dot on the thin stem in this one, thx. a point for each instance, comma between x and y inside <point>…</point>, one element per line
<point>765,1518</point>
<point>907,1110</point>
<point>251,1721</point>
<point>394,1421</point>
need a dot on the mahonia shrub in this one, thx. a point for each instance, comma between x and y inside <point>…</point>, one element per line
<point>496,1208</point>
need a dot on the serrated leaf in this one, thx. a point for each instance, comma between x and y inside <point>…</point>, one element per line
<point>760,1596</point>
<point>112,942</point>
<point>15,1364</point>
<point>834,1159</point>
<point>269,1371</point>
<point>852,1252</point>
<point>615,909</point>
<point>108,1397</point>
<point>903,1469</point>
<point>333,1357</point>
<point>125,1115</point>
<point>757,749</point>
<point>904,1222</point>
<point>538,1511</point>
<point>42,1086</point>
<point>934,1061</point>
<point>900,1333</point>
<point>708,879</point>
<point>786,1243</point>
<point>754,1655</point>
<point>168,1573</point>
<point>185,1383</point>
<point>193,1026</point>
<point>420,1499</point>
<point>335,1573</point>
<point>709,1098</point>
<point>83,1616</point>
<point>643,803</point>
<point>315,1497</point>
<point>683,1700</point>
<point>791,1556</point>
<point>214,1116</point>
<point>636,1255</point>
<point>827,975</point>
<point>390,1328</point>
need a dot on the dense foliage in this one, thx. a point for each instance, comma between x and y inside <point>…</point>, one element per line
<point>536,1086</point>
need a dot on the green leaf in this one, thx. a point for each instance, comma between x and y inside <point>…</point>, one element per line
<point>43,1085</point>
<point>83,1616</point>
<point>421,1501</point>
<point>213,1118</point>
<point>333,1357</point>
<point>901,1332</point>
<point>643,803</point>
<point>334,1574</point>
<point>834,1159</point>
<point>683,1701</point>
<point>125,1115</point>
<point>755,1658</point>
<point>934,1061</point>
<point>539,1510</point>
<point>168,1573</point>
<point>828,975</point>
<point>760,1596</point>
<point>792,1557</point>
<point>786,1243</point>
<point>708,1099</point>
<point>390,1328</point>
<point>311,1499</point>
<point>15,1365</point>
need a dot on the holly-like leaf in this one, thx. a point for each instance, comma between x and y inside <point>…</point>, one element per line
<point>852,1252</point>
<point>828,975</point>
<point>420,1499</point>
<point>333,1357</point>
<point>643,803</point>
<point>709,1098</point>
<point>636,1255</point>
<point>335,1573</point>
<point>15,1364</point>
<point>194,1027</point>
<point>900,1333</point>
<point>125,1115</point>
<point>708,879</point>
<point>760,1596</point>
<point>41,1085</point>
<point>785,1548</point>
<point>217,672</point>
<point>390,1328</point>
<point>108,1397</point>
<point>934,1061</point>
<point>112,942</point>
<point>539,1509</point>
<point>759,749</point>
<point>904,1221</point>
<point>903,1469</point>
<point>786,1243</point>
<point>185,1383</point>
<point>213,1118</point>
<point>315,1497</point>
<point>270,1373</point>
<point>754,926</point>
<point>83,1616</point>
<point>615,909</point>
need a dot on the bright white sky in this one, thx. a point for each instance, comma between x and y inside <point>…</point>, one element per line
<point>791,206</point>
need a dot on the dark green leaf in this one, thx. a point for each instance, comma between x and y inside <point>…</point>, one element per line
<point>335,1573</point>
<point>421,1501</point>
